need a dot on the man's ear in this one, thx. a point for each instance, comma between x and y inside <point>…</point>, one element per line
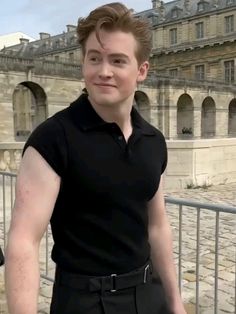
<point>143,70</point>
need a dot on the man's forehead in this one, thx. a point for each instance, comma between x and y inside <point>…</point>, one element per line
<point>116,42</point>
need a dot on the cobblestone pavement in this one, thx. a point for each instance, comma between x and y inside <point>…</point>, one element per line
<point>223,194</point>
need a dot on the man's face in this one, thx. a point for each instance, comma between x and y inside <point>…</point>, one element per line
<point>111,72</point>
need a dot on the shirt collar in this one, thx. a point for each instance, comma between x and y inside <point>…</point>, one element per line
<point>87,118</point>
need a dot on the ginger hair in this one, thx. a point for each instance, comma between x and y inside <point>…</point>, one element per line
<point>116,17</point>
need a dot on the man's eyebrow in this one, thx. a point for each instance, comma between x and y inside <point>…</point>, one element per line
<point>117,55</point>
<point>93,51</point>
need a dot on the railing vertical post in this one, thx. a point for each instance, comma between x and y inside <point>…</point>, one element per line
<point>46,255</point>
<point>4,209</point>
<point>180,248</point>
<point>216,263</point>
<point>197,259</point>
<point>235,284</point>
<point>12,195</point>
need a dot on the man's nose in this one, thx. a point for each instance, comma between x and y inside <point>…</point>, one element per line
<point>105,70</point>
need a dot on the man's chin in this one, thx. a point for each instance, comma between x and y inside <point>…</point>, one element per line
<point>103,101</point>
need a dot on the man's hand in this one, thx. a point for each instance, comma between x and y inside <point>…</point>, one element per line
<point>177,307</point>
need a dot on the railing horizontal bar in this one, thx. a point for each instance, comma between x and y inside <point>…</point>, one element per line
<point>47,278</point>
<point>196,204</point>
<point>7,174</point>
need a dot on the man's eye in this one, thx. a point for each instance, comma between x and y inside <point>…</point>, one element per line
<point>93,59</point>
<point>119,61</point>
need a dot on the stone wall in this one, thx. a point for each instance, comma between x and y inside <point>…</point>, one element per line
<point>200,163</point>
<point>10,156</point>
<point>190,163</point>
<point>58,91</point>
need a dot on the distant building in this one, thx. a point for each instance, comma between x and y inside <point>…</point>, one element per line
<point>189,94</point>
<point>61,48</point>
<point>13,39</point>
<point>194,39</point>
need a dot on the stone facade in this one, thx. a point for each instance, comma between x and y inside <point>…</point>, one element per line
<point>189,94</point>
<point>194,39</point>
<point>33,91</point>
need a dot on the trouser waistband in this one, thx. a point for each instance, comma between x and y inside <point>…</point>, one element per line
<point>110,283</point>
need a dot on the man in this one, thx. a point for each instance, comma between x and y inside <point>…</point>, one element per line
<point>94,170</point>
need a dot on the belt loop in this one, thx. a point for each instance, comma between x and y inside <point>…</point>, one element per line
<point>113,282</point>
<point>145,273</point>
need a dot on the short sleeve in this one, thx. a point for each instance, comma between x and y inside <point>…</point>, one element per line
<point>49,140</point>
<point>165,155</point>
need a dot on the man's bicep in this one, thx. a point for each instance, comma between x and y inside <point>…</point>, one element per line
<point>37,188</point>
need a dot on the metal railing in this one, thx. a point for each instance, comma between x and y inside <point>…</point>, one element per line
<point>210,223</point>
<point>202,232</point>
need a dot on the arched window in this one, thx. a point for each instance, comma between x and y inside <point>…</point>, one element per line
<point>208,118</point>
<point>142,104</point>
<point>185,127</point>
<point>232,118</point>
<point>29,109</point>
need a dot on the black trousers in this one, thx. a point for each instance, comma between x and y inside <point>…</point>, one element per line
<point>145,298</point>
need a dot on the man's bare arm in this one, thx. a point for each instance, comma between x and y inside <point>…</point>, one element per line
<point>160,238</point>
<point>37,188</point>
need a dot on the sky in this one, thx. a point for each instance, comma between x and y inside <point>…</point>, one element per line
<point>51,16</point>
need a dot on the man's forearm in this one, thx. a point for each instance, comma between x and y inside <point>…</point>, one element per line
<point>22,277</point>
<point>163,262</point>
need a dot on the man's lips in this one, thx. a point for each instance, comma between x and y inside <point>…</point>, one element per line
<point>104,85</point>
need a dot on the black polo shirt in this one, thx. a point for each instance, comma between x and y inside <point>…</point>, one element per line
<point>100,219</point>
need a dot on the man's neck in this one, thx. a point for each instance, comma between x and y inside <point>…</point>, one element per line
<point>119,114</point>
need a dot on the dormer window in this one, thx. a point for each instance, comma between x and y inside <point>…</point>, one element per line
<point>202,5</point>
<point>174,13</point>
<point>57,44</point>
<point>229,2</point>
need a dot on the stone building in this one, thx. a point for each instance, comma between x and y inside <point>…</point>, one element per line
<point>62,47</point>
<point>194,40</point>
<point>13,39</point>
<point>189,94</point>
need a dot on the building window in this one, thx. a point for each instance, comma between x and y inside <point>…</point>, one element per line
<point>174,13</point>
<point>57,44</point>
<point>229,71</point>
<point>173,36</point>
<point>228,2</point>
<point>229,24</point>
<point>200,72</point>
<point>199,30</point>
<point>173,72</point>
<point>56,58</point>
<point>24,107</point>
<point>71,56</point>
<point>200,6</point>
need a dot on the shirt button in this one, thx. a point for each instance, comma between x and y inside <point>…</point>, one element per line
<point>120,137</point>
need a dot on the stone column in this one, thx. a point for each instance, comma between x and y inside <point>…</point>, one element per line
<point>154,115</point>
<point>222,122</point>
<point>171,119</point>
<point>197,121</point>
